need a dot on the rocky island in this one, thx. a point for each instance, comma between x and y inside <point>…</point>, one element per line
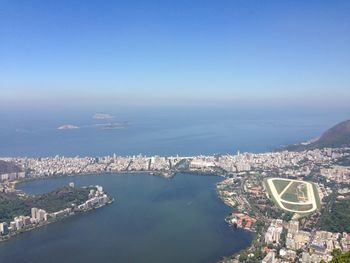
<point>68,127</point>
<point>102,116</point>
<point>293,201</point>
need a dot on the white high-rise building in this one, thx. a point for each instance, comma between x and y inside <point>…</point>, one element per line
<point>19,223</point>
<point>274,231</point>
<point>3,228</point>
<point>270,258</point>
<point>38,214</point>
<point>13,225</point>
<point>41,215</point>
<point>34,212</point>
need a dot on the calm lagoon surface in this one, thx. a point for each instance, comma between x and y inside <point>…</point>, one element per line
<point>152,220</point>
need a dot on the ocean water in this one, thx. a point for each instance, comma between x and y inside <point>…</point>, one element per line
<point>162,131</point>
<point>152,220</point>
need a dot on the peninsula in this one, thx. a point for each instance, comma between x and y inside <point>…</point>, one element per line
<point>20,212</point>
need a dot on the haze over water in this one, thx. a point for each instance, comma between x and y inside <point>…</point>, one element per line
<point>185,131</point>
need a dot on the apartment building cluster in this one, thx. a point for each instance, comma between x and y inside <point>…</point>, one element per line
<point>314,246</point>
<point>273,233</point>
<point>336,173</point>
<point>12,176</point>
<point>96,198</point>
<point>22,222</point>
<point>293,163</point>
<point>38,217</point>
<point>242,220</point>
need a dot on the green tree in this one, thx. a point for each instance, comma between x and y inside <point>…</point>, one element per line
<point>243,258</point>
<point>339,257</point>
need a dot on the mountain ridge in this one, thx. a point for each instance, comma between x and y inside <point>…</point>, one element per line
<point>335,137</point>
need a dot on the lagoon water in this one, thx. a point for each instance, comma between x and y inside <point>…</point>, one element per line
<point>152,220</point>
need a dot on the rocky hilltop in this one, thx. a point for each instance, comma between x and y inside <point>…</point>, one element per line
<point>337,136</point>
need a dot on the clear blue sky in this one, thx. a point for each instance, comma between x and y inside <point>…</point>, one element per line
<point>222,51</point>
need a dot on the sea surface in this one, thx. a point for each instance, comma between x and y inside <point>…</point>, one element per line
<point>159,131</point>
<point>152,220</point>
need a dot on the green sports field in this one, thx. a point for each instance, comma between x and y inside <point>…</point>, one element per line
<point>293,195</point>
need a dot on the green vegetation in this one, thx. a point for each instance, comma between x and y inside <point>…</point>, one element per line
<point>294,191</point>
<point>273,209</point>
<point>290,197</point>
<point>12,205</point>
<point>291,194</point>
<point>280,185</point>
<point>337,136</point>
<point>336,218</point>
<point>287,216</point>
<point>259,226</point>
<point>283,238</point>
<point>339,257</point>
<point>59,199</point>
<point>254,257</point>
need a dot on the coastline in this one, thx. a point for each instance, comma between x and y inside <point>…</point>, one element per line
<point>54,217</point>
<point>232,257</point>
<point>51,221</point>
<point>242,189</point>
<point>152,173</point>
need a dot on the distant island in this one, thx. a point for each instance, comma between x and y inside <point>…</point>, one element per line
<point>102,116</point>
<point>112,125</point>
<point>293,199</point>
<point>68,127</point>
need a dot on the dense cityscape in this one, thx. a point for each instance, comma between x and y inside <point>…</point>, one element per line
<point>175,131</point>
<point>280,236</point>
